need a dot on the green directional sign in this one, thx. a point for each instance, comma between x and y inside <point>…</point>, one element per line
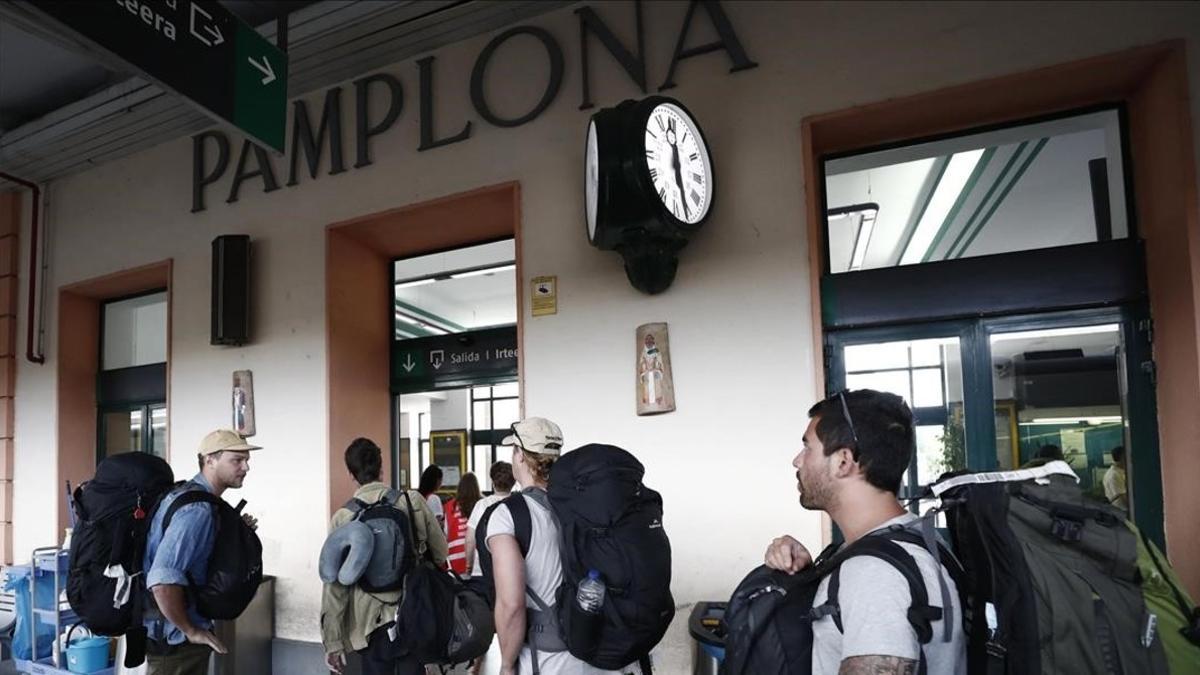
<point>440,361</point>
<point>195,48</point>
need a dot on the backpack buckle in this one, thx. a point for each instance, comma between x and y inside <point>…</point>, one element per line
<point>1067,530</point>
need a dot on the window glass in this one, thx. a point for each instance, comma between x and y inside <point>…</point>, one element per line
<point>135,332</point>
<point>158,430</point>
<point>456,291</point>
<point>895,381</point>
<point>122,432</point>
<point>483,415</point>
<point>1026,187</point>
<point>506,390</point>
<point>507,412</point>
<point>877,356</point>
<point>1059,394</point>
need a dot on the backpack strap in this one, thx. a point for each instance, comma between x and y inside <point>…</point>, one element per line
<point>412,525</point>
<point>943,559</point>
<point>522,520</point>
<point>920,614</point>
<point>185,498</point>
<point>522,529</point>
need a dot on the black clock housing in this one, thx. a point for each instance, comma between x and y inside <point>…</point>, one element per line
<point>629,216</point>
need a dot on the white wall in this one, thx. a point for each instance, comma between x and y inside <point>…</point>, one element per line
<point>739,311</point>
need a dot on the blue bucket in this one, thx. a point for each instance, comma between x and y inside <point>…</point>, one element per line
<point>88,655</point>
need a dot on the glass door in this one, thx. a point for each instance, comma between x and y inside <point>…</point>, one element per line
<point>1011,392</point>
<point>924,366</point>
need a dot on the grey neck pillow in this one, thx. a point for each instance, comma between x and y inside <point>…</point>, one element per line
<point>346,554</point>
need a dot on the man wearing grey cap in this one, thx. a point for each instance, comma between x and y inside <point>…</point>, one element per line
<point>537,443</point>
<point>180,640</point>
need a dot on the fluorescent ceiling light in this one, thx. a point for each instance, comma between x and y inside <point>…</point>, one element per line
<point>481,272</point>
<point>954,179</point>
<point>1100,419</point>
<point>866,227</point>
<point>1056,332</point>
<point>418,282</point>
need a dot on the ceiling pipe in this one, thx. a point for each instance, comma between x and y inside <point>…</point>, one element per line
<point>33,266</point>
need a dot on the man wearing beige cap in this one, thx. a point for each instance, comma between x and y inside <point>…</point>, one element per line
<point>537,443</point>
<point>180,640</point>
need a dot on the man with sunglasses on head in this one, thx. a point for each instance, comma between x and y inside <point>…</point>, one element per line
<point>530,580</point>
<point>857,446</point>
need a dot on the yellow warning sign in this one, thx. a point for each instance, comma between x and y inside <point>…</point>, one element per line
<point>545,296</point>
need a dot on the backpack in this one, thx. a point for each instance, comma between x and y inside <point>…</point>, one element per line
<point>442,619</point>
<point>611,522</point>
<point>235,567</point>
<point>113,511</point>
<point>1054,581</point>
<point>392,555</point>
<point>769,618</point>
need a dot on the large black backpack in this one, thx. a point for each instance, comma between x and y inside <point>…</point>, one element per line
<point>235,566</point>
<point>769,618</point>
<point>442,619</point>
<point>112,518</point>
<point>1053,579</point>
<point>612,523</point>
<point>392,556</point>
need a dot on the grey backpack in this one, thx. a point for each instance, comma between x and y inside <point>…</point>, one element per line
<point>375,549</point>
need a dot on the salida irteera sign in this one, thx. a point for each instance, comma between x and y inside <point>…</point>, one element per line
<point>211,155</point>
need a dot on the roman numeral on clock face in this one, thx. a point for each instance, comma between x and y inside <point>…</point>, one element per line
<point>694,156</point>
<point>698,177</point>
<point>653,173</point>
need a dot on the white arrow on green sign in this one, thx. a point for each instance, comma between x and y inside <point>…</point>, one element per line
<point>195,48</point>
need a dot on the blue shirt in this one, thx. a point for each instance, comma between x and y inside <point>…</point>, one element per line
<point>179,556</point>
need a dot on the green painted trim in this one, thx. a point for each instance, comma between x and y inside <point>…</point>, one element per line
<point>940,168</point>
<point>1000,200</point>
<point>965,192</point>
<point>1012,161</point>
<point>430,315</point>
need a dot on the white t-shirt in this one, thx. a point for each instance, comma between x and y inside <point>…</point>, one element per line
<point>435,505</point>
<point>543,574</point>
<point>874,601</point>
<point>481,508</point>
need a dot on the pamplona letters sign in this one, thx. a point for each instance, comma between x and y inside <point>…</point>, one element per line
<point>211,152</point>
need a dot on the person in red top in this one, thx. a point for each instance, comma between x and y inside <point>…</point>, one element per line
<point>458,511</point>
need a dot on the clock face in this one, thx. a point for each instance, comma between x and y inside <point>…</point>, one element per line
<point>678,161</point>
<point>591,178</point>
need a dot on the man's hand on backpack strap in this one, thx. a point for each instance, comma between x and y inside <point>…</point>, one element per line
<point>250,520</point>
<point>206,637</point>
<point>787,555</point>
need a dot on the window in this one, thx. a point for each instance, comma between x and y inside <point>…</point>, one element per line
<point>1042,185</point>
<point>493,412</point>
<point>456,291</point>
<point>132,383</point>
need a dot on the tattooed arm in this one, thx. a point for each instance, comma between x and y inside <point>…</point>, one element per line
<point>877,665</point>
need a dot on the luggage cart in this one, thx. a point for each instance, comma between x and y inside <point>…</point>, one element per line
<point>49,560</point>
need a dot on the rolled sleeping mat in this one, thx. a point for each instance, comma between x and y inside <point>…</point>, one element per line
<point>346,553</point>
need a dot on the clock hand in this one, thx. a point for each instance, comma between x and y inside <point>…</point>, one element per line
<point>679,178</point>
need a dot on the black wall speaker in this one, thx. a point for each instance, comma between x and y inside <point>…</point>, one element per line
<point>231,289</point>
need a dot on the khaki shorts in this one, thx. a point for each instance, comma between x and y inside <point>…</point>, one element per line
<point>183,659</point>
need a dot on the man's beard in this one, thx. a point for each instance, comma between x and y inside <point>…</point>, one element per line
<point>812,494</point>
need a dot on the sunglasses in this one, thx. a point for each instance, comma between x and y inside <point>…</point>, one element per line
<point>841,396</point>
<point>521,442</point>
